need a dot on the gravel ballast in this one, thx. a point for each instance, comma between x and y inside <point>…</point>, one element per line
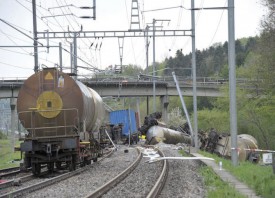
<point>88,181</point>
<point>183,177</point>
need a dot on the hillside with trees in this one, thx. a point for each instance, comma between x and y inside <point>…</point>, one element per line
<point>255,63</point>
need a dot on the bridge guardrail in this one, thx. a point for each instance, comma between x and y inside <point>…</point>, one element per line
<point>125,79</point>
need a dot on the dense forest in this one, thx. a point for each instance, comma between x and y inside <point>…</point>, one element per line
<point>255,61</point>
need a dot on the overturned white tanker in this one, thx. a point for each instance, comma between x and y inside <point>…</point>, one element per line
<point>157,134</point>
<point>220,144</point>
<point>212,141</point>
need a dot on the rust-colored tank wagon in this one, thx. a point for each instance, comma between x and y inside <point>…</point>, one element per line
<point>55,102</point>
<point>59,113</point>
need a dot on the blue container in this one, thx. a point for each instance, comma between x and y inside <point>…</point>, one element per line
<point>127,118</point>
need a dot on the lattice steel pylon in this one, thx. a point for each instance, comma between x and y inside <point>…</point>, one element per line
<point>135,22</point>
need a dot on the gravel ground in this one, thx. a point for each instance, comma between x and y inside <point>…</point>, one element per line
<point>183,178</point>
<point>23,185</point>
<point>139,182</point>
<point>93,178</point>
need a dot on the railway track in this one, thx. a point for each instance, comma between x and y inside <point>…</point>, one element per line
<point>6,171</point>
<point>138,171</point>
<point>10,189</point>
<point>173,178</point>
<point>126,174</point>
<point>6,174</point>
<point>10,174</point>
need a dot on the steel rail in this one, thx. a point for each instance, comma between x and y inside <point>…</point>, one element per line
<point>49,182</point>
<point>157,188</point>
<point>8,169</point>
<point>106,187</point>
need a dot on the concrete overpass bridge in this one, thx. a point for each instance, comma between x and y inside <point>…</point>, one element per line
<point>126,88</point>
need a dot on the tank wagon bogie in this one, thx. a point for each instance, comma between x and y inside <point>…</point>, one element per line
<point>61,115</point>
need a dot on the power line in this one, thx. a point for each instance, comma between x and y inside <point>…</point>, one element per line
<point>13,41</point>
<point>63,14</point>
<point>18,30</point>
<point>217,26</point>
<point>29,54</point>
<point>14,65</point>
<point>167,8</point>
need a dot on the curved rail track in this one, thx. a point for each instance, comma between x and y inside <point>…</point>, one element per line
<point>124,174</point>
<point>153,192</point>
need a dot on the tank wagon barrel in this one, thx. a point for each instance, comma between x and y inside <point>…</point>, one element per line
<point>58,113</point>
<point>157,134</point>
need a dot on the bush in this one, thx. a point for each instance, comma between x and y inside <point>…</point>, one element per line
<point>2,136</point>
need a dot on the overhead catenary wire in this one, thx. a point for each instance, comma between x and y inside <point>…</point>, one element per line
<point>217,28</point>
<point>59,25</point>
<point>7,23</point>
<point>196,23</point>
<point>14,42</point>
<point>66,5</point>
<point>166,8</point>
<point>80,26</point>
<point>15,66</point>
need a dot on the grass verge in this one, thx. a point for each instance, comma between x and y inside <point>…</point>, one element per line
<point>8,158</point>
<point>216,188</point>
<point>256,176</point>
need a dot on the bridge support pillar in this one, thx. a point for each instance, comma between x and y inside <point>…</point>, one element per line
<point>13,122</point>
<point>164,103</point>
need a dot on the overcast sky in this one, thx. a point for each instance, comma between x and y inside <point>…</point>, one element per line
<point>115,15</point>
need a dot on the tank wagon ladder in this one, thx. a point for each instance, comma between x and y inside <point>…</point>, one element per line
<point>51,84</point>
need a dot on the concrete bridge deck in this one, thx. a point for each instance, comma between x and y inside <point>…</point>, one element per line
<point>10,88</point>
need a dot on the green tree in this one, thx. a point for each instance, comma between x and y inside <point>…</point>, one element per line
<point>132,70</point>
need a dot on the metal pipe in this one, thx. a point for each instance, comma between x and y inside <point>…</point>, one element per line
<point>232,81</point>
<point>110,139</point>
<point>35,36</point>
<point>75,55</point>
<point>94,10</point>
<point>194,72</point>
<point>154,65</point>
<point>60,56</point>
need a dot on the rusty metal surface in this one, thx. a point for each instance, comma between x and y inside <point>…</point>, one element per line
<point>60,118</point>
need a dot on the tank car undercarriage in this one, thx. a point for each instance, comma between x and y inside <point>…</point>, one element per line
<point>62,153</point>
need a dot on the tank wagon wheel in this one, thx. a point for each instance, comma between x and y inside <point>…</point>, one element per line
<point>50,167</point>
<point>87,161</point>
<point>72,163</point>
<point>58,165</point>
<point>36,169</point>
<point>26,164</point>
